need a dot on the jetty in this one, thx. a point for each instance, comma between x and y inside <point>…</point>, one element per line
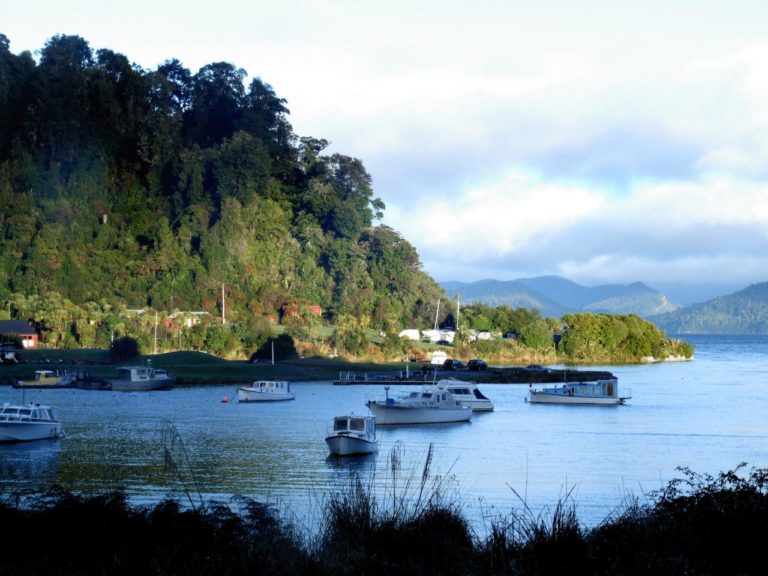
<point>495,375</point>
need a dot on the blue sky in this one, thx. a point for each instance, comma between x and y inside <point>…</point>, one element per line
<point>602,141</point>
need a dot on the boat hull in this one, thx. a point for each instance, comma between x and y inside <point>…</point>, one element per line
<point>28,431</point>
<point>476,405</point>
<point>140,386</point>
<point>547,398</point>
<point>395,414</point>
<point>347,445</point>
<point>31,384</point>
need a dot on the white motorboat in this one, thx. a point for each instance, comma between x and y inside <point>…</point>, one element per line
<point>49,379</point>
<point>140,379</point>
<point>23,422</point>
<point>600,392</point>
<point>426,406</point>
<point>352,435</point>
<point>266,391</point>
<point>466,394</point>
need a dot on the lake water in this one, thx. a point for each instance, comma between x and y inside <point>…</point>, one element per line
<point>708,415</point>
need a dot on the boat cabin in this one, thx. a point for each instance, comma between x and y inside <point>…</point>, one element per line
<point>278,386</point>
<point>27,413</point>
<point>357,424</point>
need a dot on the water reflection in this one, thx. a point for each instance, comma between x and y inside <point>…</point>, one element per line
<point>682,414</point>
<point>39,459</point>
<point>360,463</point>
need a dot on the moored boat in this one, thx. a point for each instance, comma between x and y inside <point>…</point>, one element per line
<point>426,406</point>
<point>352,435</point>
<point>141,379</point>
<point>599,392</point>
<point>266,391</point>
<point>25,422</point>
<point>466,394</point>
<point>49,379</point>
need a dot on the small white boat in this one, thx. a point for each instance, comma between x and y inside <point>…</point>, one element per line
<point>600,392</point>
<point>427,406</point>
<point>266,391</point>
<point>466,394</point>
<point>23,422</point>
<point>49,379</point>
<point>141,379</point>
<point>352,435</point>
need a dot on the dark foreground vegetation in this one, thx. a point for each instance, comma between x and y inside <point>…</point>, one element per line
<point>697,524</point>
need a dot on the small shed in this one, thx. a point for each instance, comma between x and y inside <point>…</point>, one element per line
<point>20,328</point>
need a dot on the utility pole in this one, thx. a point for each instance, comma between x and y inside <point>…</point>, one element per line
<point>155,332</point>
<point>223,306</point>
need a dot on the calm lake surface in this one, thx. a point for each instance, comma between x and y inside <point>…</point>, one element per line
<point>708,415</point>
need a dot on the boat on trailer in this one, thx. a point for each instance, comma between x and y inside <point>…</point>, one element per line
<point>352,435</point>
<point>599,392</point>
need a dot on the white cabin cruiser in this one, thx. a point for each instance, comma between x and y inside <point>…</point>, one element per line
<point>141,378</point>
<point>266,391</point>
<point>23,422</point>
<point>352,435</point>
<point>466,394</point>
<point>427,406</point>
<point>599,392</point>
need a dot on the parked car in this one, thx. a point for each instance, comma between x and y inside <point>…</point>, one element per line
<point>476,364</point>
<point>536,367</point>
<point>451,364</point>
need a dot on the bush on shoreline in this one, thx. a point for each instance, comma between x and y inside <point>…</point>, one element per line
<point>697,524</point>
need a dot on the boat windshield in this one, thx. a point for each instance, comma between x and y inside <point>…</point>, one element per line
<point>357,424</point>
<point>339,424</point>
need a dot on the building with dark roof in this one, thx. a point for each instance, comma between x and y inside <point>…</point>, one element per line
<point>20,328</point>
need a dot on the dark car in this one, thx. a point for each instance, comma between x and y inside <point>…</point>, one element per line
<point>451,364</point>
<point>476,364</point>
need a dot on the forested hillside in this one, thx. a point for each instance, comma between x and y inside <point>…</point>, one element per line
<point>121,186</point>
<point>745,312</point>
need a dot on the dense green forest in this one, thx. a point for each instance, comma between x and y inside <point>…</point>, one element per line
<point>182,210</point>
<point>134,188</point>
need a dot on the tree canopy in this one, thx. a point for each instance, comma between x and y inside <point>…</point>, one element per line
<point>155,187</point>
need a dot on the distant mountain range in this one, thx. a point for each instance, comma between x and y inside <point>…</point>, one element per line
<point>555,296</point>
<point>743,312</point>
